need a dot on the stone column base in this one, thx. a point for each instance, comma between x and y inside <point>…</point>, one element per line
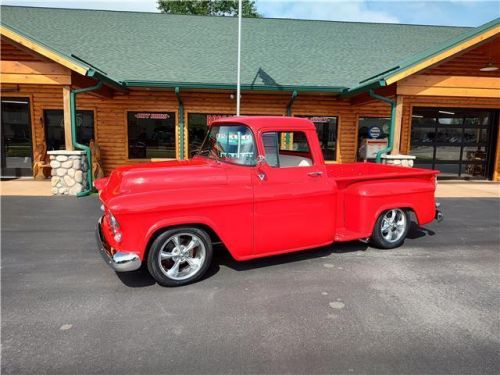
<point>68,172</point>
<point>400,160</point>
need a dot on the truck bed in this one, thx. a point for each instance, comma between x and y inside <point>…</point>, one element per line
<point>364,190</point>
<point>345,174</point>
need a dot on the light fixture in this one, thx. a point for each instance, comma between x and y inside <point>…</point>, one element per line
<point>490,67</point>
<point>447,112</point>
<point>417,116</point>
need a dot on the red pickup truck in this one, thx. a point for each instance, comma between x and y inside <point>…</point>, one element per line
<point>259,186</point>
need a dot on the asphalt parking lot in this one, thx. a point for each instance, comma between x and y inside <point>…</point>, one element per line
<point>431,306</point>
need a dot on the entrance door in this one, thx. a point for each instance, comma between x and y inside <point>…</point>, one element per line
<point>459,142</point>
<point>16,144</point>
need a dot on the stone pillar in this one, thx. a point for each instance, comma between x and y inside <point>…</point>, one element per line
<point>69,169</point>
<point>399,160</point>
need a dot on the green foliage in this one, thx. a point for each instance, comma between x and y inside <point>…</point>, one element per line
<point>208,7</point>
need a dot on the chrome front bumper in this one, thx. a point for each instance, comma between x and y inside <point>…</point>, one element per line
<point>120,261</point>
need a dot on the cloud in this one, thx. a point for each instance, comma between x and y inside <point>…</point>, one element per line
<point>324,10</point>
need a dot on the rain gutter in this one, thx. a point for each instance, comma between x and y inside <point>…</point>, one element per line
<point>295,93</point>
<point>72,106</point>
<point>390,143</point>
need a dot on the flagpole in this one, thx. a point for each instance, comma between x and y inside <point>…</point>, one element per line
<point>238,83</point>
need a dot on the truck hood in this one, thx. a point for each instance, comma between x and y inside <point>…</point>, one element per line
<point>169,175</point>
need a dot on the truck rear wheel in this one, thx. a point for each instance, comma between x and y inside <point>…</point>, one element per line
<point>179,256</point>
<point>390,229</point>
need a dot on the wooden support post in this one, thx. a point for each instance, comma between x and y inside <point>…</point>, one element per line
<point>67,119</point>
<point>397,125</point>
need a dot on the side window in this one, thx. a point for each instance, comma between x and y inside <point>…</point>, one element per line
<point>270,141</point>
<point>287,149</point>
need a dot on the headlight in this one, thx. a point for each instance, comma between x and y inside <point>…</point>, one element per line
<point>115,227</point>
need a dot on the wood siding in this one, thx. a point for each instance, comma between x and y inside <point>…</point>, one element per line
<point>110,122</point>
<point>469,62</point>
<point>16,53</point>
<point>43,73</point>
<point>431,85</point>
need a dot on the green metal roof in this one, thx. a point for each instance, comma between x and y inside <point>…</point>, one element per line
<point>159,50</point>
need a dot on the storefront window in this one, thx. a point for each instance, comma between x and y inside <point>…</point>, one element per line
<point>456,141</point>
<point>373,133</point>
<point>197,129</point>
<point>326,128</point>
<point>151,135</point>
<point>54,128</point>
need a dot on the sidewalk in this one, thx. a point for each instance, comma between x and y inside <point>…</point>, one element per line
<point>26,187</point>
<point>466,189</point>
<point>446,189</point>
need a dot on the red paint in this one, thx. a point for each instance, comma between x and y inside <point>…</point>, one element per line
<point>289,210</point>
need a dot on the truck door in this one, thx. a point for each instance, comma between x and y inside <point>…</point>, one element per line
<point>294,198</point>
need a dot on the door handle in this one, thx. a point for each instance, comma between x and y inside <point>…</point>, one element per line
<point>315,174</point>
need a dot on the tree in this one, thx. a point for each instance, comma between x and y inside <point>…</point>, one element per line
<point>208,7</point>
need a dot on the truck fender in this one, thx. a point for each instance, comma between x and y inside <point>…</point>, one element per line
<point>178,221</point>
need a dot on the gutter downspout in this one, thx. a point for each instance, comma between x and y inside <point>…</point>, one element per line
<point>290,103</point>
<point>181,122</point>
<point>390,143</point>
<point>289,113</point>
<point>72,106</point>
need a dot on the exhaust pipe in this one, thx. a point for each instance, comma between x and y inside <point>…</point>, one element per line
<point>439,216</point>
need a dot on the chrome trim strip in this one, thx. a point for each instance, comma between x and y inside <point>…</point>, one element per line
<point>120,261</point>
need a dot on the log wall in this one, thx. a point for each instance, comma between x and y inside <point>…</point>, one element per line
<point>111,124</point>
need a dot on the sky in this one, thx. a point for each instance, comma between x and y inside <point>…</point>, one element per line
<point>428,12</point>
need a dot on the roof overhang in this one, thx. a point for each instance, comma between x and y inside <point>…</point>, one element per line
<point>246,87</point>
<point>42,49</point>
<point>70,62</point>
<point>430,57</point>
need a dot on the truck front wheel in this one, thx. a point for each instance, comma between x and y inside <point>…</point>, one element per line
<point>390,229</point>
<point>179,256</point>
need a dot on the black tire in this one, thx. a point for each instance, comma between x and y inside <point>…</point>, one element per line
<point>380,236</point>
<point>165,243</point>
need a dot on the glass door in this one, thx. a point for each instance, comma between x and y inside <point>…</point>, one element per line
<point>16,144</point>
<point>456,141</point>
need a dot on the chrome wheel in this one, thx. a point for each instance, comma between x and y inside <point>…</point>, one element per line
<point>182,256</point>
<point>393,225</point>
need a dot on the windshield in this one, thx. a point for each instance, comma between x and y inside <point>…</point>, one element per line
<point>230,143</point>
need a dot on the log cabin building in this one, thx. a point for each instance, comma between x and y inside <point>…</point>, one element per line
<point>157,80</point>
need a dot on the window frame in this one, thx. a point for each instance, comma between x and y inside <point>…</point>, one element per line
<point>337,133</point>
<point>152,110</point>
<point>87,109</point>
<point>262,150</point>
